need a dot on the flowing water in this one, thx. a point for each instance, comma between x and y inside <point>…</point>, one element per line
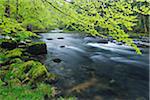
<point>96,71</point>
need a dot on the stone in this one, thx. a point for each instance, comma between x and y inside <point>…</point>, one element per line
<point>37,48</point>
<point>49,39</point>
<point>60,38</point>
<point>102,40</point>
<point>57,60</point>
<point>9,45</point>
<point>95,40</point>
<point>62,46</point>
<point>119,43</point>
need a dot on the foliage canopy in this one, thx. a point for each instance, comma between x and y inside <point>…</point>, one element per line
<point>97,17</point>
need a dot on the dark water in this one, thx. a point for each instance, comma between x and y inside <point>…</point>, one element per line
<point>95,71</point>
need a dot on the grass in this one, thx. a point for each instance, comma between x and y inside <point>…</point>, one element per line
<point>20,92</point>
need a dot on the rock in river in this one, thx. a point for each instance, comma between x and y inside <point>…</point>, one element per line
<point>60,38</point>
<point>62,46</point>
<point>95,39</point>
<point>49,39</point>
<point>57,60</point>
<point>37,48</point>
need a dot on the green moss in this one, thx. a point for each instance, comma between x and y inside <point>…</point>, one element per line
<point>31,70</point>
<point>18,73</point>
<point>25,92</point>
<point>45,89</point>
<point>5,40</point>
<point>36,43</point>
<point>6,56</point>
<point>38,71</point>
<point>67,98</point>
<point>16,60</point>
<point>2,58</point>
<point>14,53</point>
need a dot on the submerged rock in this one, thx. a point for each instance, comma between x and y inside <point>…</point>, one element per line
<point>57,60</point>
<point>37,48</point>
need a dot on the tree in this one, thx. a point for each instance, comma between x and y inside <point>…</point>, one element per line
<point>114,17</point>
<point>96,17</point>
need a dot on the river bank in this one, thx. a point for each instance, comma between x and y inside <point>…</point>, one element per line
<point>89,68</point>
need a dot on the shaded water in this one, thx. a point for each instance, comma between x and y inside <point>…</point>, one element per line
<point>96,71</point>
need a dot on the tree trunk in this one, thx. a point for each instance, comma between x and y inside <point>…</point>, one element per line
<point>7,9</point>
<point>29,27</point>
<point>17,8</point>
<point>144,24</point>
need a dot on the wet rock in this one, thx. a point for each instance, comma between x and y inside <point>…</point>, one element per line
<point>110,39</point>
<point>119,43</point>
<point>62,46</point>
<point>60,38</point>
<point>9,45</point>
<point>95,39</point>
<point>37,48</point>
<point>57,60</point>
<point>90,39</point>
<point>145,39</point>
<point>114,41</point>
<point>142,44</point>
<point>49,39</point>
<point>101,40</point>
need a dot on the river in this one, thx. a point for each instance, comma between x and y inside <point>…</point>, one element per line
<point>96,71</point>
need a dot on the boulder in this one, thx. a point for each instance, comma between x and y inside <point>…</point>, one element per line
<point>37,48</point>
<point>9,45</point>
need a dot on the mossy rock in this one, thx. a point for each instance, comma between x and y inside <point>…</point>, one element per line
<point>16,60</point>
<point>8,44</point>
<point>37,48</point>
<point>31,70</point>
<point>7,56</point>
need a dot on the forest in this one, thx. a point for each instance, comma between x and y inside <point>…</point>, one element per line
<point>74,49</point>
